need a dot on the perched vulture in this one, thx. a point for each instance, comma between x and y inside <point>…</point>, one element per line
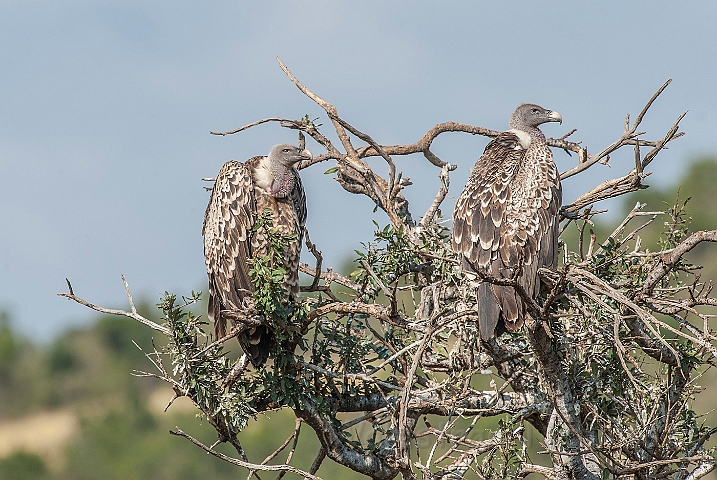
<point>506,218</point>
<point>241,192</point>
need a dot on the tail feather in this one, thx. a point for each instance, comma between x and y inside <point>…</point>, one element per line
<point>511,306</point>
<point>256,343</point>
<point>500,309</point>
<point>488,311</point>
<point>214,310</point>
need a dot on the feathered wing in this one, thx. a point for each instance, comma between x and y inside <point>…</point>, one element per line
<point>505,218</point>
<point>227,231</point>
<point>228,249</point>
<point>288,217</point>
<point>478,221</point>
<point>291,219</point>
<point>297,200</point>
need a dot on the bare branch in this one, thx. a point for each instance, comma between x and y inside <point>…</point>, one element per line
<point>329,276</point>
<point>235,461</point>
<point>295,437</point>
<point>440,196</point>
<point>629,137</point>
<point>109,311</point>
<point>253,124</point>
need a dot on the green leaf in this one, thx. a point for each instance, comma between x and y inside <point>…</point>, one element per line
<point>331,170</point>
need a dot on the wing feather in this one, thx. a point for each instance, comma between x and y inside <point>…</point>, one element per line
<point>480,210</point>
<point>297,199</point>
<point>228,222</point>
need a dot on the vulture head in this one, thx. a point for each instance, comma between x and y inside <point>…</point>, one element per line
<point>528,116</point>
<point>286,156</point>
<point>277,176</point>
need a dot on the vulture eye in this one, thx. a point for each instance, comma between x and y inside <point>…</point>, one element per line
<point>534,111</point>
<point>286,150</point>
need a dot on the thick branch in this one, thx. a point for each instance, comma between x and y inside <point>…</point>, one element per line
<point>563,394</point>
<point>332,441</point>
<point>366,182</point>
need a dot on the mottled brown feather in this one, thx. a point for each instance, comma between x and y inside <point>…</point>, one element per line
<point>506,218</point>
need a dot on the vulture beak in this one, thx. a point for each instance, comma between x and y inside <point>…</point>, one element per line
<point>555,117</point>
<point>306,155</point>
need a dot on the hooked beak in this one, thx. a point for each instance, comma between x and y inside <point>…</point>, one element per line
<point>306,155</point>
<point>555,117</point>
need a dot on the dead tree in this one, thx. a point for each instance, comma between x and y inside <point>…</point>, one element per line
<point>385,365</point>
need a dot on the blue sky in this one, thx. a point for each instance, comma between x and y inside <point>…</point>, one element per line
<point>106,108</point>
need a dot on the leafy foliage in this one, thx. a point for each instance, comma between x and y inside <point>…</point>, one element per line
<point>407,323</point>
<point>199,371</point>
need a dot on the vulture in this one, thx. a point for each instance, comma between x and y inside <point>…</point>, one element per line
<point>505,221</point>
<point>241,192</point>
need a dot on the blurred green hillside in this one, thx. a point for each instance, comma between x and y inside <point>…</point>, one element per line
<point>72,409</point>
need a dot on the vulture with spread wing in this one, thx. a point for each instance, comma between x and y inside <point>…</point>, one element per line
<point>240,193</point>
<point>506,219</point>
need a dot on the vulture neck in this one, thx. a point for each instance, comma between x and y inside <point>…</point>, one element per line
<point>524,137</point>
<point>274,178</point>
<point>535,134</point>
